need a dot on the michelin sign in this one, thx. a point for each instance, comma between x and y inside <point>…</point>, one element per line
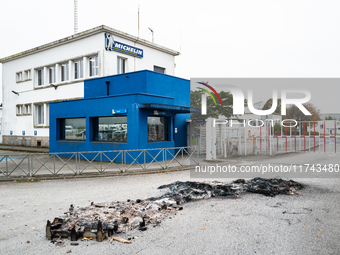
<point>111,44</point>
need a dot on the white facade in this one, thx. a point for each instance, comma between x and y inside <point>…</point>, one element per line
<point>335,116</point>
<point>66,63</point>
<point>0,125</point>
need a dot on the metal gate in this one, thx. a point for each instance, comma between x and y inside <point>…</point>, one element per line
<point>197,135</point>
<point>271,137</point>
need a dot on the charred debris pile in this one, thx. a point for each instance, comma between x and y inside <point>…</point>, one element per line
<point>101,220</point>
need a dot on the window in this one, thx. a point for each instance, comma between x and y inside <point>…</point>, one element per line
<point>27,109</point>
<point>19,77</point>
<point>93,66</point>
<point>78,69</point>
<point>73,129</point>
<point>51,74</point>
<point>121,65</point>
<point>64,72</point>
<point>19,109</point>
<point>27,75</point>
<point>41,114</point>
<point>157,129</point>
<point>40,77</point>
<point>159,69</point>
<point>111,129</point>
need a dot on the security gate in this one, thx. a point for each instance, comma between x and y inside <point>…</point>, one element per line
<point>270,137</point>
<point>197,135</point>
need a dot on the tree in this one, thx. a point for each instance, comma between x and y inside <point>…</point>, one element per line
<point>269,104</point>
<point>212,110</point>
<point>329,118</point>
<point>293,112</point>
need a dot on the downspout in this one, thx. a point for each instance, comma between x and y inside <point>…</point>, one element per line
<point>107,87</point>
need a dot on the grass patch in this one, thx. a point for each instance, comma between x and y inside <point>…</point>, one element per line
<point>26,181</point>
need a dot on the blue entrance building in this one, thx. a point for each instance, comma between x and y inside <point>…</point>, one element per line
<point>137,110</point>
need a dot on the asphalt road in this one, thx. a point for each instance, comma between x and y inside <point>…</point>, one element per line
<point>251,224</point>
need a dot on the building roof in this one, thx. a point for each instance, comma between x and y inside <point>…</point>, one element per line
<point>333,115</point>
<point>88,33</point>
<point>257,106</point>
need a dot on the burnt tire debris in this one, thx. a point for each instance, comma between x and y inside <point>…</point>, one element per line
<point>101,220</point>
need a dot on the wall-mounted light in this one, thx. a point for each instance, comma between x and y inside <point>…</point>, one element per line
<point>54,86</point>
<point>15,92</point>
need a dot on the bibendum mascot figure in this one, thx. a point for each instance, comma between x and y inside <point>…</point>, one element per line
<point>110,41</point>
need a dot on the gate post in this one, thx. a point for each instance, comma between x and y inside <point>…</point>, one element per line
<point>210,139</point>
<point>335,136</point>
<point>124,157</point>
<point>101,163</point>
<point>6,166</point>
<point>53,164</point>
<point>270,140</point>
<point>28,166</point>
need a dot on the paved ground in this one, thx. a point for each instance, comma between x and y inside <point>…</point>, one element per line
<point>252,224</point>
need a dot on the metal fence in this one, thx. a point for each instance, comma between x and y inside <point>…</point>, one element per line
<point>271,138</point>
<point>306,136</point>
<point>77,163</point>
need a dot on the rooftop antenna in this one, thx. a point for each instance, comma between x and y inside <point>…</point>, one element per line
<point>75,16</point>
<point>152,33</point>
<point>138,21</point>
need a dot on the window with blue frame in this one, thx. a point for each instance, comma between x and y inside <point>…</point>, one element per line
<point>110,129</point>
<point>157,129</point>
<point>73,129</point>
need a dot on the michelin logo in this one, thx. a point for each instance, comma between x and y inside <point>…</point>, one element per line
<point>111,44</point>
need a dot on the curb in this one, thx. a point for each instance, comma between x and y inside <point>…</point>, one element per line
<point>18,149</point>
<point>88,175</point>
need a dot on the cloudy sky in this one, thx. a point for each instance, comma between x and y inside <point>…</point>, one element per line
<point>244,38</point>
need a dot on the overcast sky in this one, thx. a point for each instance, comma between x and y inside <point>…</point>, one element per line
<point>243,38</point>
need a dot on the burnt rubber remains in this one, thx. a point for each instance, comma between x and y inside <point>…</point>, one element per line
<point>102,220</point>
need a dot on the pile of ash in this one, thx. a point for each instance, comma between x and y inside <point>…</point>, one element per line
<point>102,220</point>
<point>271,187</point>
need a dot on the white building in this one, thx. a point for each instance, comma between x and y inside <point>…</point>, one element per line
<point>57,70</point>
<point>334,116</point>
<point>0,125</point>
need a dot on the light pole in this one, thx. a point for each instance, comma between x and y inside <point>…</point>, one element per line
<point>152,33</point>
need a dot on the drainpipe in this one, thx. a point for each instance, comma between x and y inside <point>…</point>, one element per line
<point>107,87</point>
